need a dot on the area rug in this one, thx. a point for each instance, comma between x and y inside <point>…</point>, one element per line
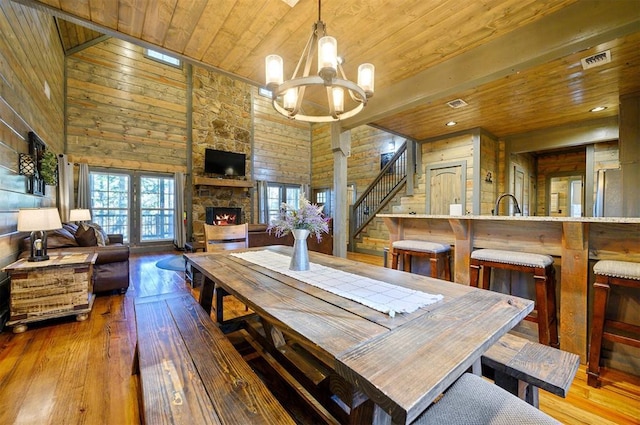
<point>175,262</point>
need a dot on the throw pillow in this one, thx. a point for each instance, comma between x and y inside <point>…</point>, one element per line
<point>86,236</point>
<point>101,235</point>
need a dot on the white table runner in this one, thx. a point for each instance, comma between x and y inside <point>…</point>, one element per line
<point>376,294</point>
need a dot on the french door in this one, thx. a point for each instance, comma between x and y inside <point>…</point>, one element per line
<point>140,206</point>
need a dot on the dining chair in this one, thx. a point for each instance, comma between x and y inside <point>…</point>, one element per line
<point>224,238</point>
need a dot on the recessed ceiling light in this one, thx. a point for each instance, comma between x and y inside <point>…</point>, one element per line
<point>451,123</point>
<point>598,109</point>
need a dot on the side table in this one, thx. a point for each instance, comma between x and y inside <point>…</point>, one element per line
<point>58,287</point>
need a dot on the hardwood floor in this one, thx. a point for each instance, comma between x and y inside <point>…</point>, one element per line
<point>67,372</point>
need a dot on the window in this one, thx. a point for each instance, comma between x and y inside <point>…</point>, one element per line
<point>322,197</point>
<point>147,219</point>
<point>110,202</point>
<point>278,193</point>
<point>156,208</point>
<point>161,57</point>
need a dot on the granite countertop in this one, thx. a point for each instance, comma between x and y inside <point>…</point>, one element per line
<point>630,220</point>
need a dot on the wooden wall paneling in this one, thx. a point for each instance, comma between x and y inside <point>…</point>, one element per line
<point>281,147</point>
<point>321,156</point>
<point>488,164</point>
<point>536,237</point>
<point>30,54</point>
<point>126,108</point>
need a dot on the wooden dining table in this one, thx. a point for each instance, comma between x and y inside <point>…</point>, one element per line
<point>396,365</point>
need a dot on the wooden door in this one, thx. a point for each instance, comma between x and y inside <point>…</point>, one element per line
<point>445,188</point>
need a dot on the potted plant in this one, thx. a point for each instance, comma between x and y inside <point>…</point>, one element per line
<point>49,168</point>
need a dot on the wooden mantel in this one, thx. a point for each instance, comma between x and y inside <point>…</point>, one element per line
<point>208,181</point>
<point>574,242</point>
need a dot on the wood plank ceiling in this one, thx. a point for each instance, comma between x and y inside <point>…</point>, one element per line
<point>515,62</point>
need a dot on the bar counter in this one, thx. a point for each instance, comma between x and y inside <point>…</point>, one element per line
<point>573,242</point>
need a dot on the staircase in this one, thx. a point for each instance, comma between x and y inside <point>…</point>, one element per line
<point>389,182</point>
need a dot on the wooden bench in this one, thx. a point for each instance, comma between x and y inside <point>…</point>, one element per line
<point>190,372</point>
<point>522,367</point>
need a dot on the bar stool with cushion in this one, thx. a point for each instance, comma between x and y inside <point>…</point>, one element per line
<point>617,273</point>
<point>436,252</point>
<point>541,266</point>
<point>472,400</point>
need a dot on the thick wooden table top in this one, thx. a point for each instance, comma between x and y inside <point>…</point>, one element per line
<point>54,261</point>
<point>401,363</point>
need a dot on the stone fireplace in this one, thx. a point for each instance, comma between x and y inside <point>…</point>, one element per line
<point>223,215</point>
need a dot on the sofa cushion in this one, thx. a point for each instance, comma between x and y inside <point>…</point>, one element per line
<point>86,236</point>
<point>101,236</point>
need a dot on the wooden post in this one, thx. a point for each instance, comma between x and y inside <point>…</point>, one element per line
<point>341,148</point>
<point>463,231</point>
<point>573,302</point>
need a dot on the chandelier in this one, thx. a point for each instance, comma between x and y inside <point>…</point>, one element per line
<point>287,96</point>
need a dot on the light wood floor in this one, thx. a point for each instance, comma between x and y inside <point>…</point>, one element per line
<point>67,372</point>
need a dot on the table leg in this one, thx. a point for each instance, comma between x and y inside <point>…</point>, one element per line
<point>18,329</point>
<point>206,294</point>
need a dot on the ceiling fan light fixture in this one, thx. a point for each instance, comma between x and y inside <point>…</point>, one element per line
<point>287,96</point>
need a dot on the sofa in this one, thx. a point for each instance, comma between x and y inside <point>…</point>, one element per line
<point>111,269</point>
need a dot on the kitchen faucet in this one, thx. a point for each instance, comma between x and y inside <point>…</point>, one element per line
<point>516,210</point>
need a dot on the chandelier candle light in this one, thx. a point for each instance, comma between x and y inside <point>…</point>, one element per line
<point>287,95</point>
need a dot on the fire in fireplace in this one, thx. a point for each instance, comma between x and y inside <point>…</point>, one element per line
<point>222,216</point>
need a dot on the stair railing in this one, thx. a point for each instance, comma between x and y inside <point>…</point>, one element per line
<point>385,186</point>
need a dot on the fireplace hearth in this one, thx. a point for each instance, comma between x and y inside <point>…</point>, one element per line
<point>222,216</point>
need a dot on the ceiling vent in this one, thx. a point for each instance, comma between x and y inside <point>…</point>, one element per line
<point>596,60</point>
<point>457,103</point>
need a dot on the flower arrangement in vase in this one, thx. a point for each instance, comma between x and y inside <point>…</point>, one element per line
<point>306,219</point>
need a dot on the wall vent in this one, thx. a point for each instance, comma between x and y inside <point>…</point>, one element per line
<point>457,103</point>
<point>596,60</point>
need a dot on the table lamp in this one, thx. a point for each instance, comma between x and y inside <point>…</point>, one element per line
<point>38,221</point>
<point>80,215</point>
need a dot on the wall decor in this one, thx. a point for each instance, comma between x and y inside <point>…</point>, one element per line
<point>36,184</point>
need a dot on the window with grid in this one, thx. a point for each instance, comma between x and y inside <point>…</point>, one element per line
<point>277,193</point>
<point>110,201</point>
<point>157,200</point>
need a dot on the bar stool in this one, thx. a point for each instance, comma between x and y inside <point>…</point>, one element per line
<point>617,273</point>
<point>436,252</point>
<point>541,266</point>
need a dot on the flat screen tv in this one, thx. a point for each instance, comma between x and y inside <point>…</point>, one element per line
<point>224,163</point>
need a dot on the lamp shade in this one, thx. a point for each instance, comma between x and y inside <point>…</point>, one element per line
<point>34,219</point>
<point>79,215</point>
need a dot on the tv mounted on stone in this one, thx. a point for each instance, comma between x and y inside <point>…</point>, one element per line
<point>228,164</point>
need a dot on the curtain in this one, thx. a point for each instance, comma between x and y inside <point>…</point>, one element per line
<point>179,231</point>
<point>65,187</point>
<point>84,196</point>
<point>263,208</point>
